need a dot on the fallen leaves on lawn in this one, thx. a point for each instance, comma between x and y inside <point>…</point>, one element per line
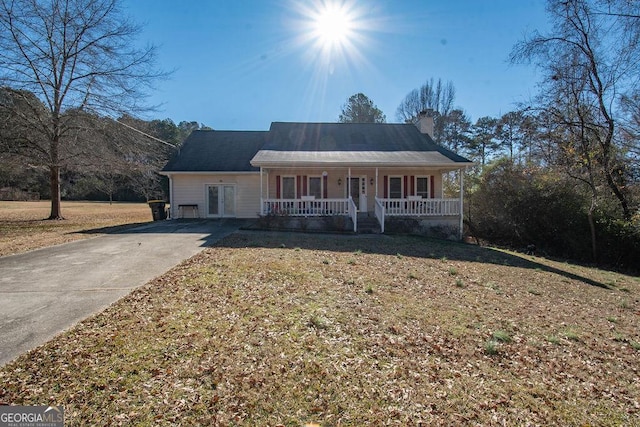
<point>291,329</point>
<point>23,227</point>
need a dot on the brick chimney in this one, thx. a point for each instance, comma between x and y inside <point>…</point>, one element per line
<point>424,122</point>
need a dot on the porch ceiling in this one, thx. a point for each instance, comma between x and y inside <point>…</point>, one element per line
<point>272,158</point>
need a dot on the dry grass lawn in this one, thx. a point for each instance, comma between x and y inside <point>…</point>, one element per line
<point>22,227</point>
<point>276,329</point>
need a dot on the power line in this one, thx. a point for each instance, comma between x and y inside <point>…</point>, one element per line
<point>146,134</point>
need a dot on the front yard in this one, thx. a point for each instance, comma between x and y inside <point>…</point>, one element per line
<point>23,228</point>
<point>294,329</point>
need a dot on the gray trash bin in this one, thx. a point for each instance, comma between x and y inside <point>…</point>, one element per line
<point>158,210</point>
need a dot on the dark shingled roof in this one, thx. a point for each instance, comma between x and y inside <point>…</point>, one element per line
<point>232,151</point>
<point>213,150</point>
<point>385,137</point>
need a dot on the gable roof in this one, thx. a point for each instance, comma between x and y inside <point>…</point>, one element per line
<point>214,150</point>
<point>311,144</point>
<point>373,144</point>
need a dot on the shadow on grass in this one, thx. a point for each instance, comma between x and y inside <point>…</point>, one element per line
<point>409,246</point>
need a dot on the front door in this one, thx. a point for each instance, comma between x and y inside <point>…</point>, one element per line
<point>221,200</point>
<point>358,193</point>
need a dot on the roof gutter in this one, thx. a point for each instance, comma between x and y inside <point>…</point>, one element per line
<point>453,165</point>
<point>169,173</point>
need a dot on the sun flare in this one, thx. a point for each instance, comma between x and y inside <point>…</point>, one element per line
<point>333,28</point>
<point>333,38</point>
<point>333,24</point>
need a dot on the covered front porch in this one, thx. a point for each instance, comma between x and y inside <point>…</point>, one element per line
<point>358,193</point>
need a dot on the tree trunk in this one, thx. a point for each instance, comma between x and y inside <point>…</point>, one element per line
<point>622,199</point>
<point>56,208</point>
<point>54,178</point>
<point>592,228</point>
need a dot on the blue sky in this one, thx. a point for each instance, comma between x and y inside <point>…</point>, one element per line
<point>239,65</point>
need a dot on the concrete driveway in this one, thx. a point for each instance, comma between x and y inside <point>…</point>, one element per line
<point>46,291</point>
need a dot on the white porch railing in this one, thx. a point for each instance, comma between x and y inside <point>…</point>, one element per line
<point>301,207</point>
<point>420,207</point>
<point>347,207</point>
<point>380,212</point>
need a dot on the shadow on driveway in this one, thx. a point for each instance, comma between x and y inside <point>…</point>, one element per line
<point>215,229</point>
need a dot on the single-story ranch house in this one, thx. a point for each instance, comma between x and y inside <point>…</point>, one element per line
<point>318,175</point>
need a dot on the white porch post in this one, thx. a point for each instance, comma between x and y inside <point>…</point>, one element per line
<point>461,202</point>
<point>349,184</point>
<point>171,208</point>
<point>376,183</point>
<point>261,195</point>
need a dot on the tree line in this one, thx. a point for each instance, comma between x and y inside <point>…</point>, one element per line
<point>102,158</point>
<point>570,180</point>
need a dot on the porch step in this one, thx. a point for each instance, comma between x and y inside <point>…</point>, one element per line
<point>368,225</point>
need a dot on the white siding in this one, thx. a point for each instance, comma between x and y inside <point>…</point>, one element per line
<point>190,189</point>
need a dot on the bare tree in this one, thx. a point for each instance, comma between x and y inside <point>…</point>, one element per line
<point>20,136</point>
<point>146,155</point>
<point>73,55</point>
<point>631,125</point>
<point>577,148</point>
<point>435,96</point>
<point>601,50</point>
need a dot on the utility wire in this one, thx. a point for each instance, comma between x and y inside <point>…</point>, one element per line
<point>146,134</point>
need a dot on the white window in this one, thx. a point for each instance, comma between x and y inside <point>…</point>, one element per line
<point>288,187</point>
<point>422,186</point>
<point>315,186</point>
<point>395,187</point>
